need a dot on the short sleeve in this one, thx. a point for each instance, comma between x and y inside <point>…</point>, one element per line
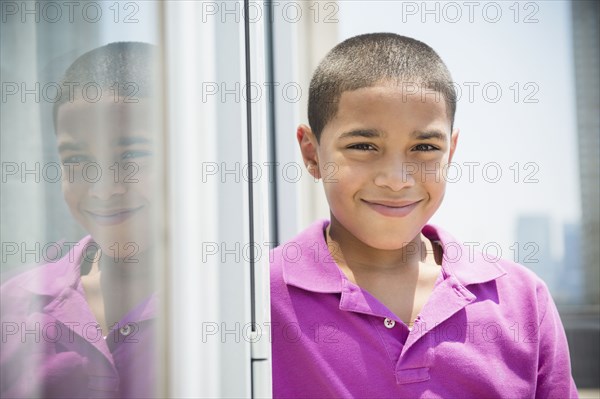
<point>554,367</point>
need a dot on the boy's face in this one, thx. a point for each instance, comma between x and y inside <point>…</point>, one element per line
<point>106,149</point>
<point>382,159</point>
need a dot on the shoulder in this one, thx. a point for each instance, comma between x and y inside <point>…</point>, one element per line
<point>521,275</point>
<point>304,262</point>
<point>303,247</point>
<point>524,286</point>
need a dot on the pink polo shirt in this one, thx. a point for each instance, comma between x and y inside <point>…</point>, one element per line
<point>51,346</point>
<point>489,329</point>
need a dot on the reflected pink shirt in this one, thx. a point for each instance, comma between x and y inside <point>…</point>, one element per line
<point>489,329</point>
<point>51,344</point>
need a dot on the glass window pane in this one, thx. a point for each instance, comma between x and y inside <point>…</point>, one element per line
<point>82,199</point>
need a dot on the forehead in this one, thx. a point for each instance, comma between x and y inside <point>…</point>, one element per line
<point>401,106</point>
<point>104,121</point>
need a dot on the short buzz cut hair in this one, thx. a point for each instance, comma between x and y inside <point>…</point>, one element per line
<point>366,60</point>
<point>124,68</point>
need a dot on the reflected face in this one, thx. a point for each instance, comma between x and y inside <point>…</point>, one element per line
<point>106,152</point>
<point>382,159</point>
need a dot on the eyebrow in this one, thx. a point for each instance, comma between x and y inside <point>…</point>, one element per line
<point>69,147</point>
<point>123,141</point>
<point>373,133</point>
<point>366,133</point>
<point>431,134</point>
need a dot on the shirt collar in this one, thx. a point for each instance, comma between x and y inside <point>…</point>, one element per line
<point>62,279</point>
<point>465,264</point>
<point>51,279</point>
<point>307,263</point>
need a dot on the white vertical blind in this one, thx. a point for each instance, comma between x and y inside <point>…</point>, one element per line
<point>218,310</point>
<point>193,284</point>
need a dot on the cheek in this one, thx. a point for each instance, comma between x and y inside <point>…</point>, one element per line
<point>433,172</point>
<point>342,182</point>
<point>73,194</point>
<point>144,185</point>
<point>435,183</point>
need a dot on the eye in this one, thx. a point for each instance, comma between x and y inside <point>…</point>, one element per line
<point>135,154</point>
<point>75,159</point>
<point>425,147</point>
<point>362,147</point>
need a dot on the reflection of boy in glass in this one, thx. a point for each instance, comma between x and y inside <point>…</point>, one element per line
<point>89,315</point>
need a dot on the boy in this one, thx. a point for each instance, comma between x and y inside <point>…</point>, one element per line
<point>83,326</point>
<point>376,303</point>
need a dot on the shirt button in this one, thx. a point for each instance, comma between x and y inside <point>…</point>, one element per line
<point>389,323</point>
<point>125,330</point>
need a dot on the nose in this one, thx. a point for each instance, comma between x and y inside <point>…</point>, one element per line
<point>396,174</point>
<point>105,182</point>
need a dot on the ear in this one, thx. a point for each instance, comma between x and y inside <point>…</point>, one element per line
<point>308,147</point>
<point>453,142</point>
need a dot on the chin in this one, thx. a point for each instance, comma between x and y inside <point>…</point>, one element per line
<point>122,243</point>
<point>396,233</point>
<point>388,244</point>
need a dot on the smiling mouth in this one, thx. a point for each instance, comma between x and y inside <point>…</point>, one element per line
<point>391,208</point>
<point>112,217</point>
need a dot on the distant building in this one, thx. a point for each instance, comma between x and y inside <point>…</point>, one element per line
<point>582,323</point>
<point>533,241</point>
<point>570,290</point>
<point>585,15</point>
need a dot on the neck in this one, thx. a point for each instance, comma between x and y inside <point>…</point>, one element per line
<point>115,286</point>
<point>135,270</point>
<point>353,254</point>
